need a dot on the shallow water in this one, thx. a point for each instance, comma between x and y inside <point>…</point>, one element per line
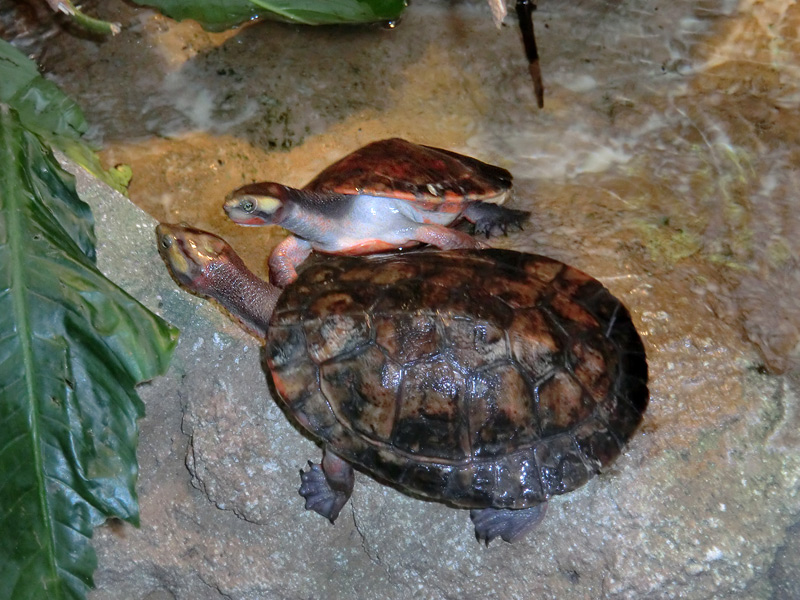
<point>665,163</point>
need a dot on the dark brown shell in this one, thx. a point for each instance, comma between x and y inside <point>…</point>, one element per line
<point>397,168</point>
<point>477,378</point>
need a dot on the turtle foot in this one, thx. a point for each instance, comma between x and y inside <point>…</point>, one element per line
<point>327,487</point>
<point>506,523</point>
<point>490,219</point>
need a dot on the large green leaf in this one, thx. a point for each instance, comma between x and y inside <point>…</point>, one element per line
<point>42,107</point>
<point>221,14</point>
<point>318,12</point>
<point>46,110</point>
<point>72,348</point>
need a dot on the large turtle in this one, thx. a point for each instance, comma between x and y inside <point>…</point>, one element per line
<point>385,195</point>
<point>488,380</point>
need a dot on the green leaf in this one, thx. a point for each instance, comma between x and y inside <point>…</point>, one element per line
<point>215,15</point>
<point>44,109</point>
<point>222,14</point>
<point>319,12</point>
<point>72,348</point>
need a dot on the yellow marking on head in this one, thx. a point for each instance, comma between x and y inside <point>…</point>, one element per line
<point>169,248</point>
<point>266,204</point>
<point>177,259</point>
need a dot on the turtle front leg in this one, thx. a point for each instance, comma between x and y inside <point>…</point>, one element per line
<point>284,260</point>
<point>327,487</point>
<point>488,217</point>
<point>445,238</point>
<point>509,524</point>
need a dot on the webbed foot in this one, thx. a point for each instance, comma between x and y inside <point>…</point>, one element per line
<point>327,487</point>
<point>489,219</point>
<point>506,523</point>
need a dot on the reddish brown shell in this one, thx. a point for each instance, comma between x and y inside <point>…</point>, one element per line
<point>400,169</point>
<point>477,378</point>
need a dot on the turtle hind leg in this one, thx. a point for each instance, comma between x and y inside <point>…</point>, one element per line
<point>509,524</point>
<point>327,487</point>
<point>489,218</point>
<point>445,237</point>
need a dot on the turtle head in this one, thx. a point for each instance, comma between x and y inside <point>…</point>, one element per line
<point>205,265</point>
<point>257,203</point>
<point>190,254</point>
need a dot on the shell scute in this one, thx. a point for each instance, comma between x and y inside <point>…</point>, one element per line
<point>572,315</point>
<point>561,467</point>
<point>336,334</point>
<point>482,483</point>
<point>456,277</point>
<point>502,411</point>
<point>427,420</point>
<point>426,478</point>
<point>624,418</point>
<point>314,414</point>
<point>382,273</point>
<point>542,268</point>
<point>597,445</point>
<point>474,344</point>
<point>363,392</point>
<point>334,302</point>
<point>476,304</point>
<point>291,381</point>
<point>516,293</point>
<point>519,483</point>
<point>407,337</point>
<point>533,343</point>
<point>286,345</point>
<point>516,479</point>
<point>591,367</point>
<point>405,297</point>
<point>562,403</point>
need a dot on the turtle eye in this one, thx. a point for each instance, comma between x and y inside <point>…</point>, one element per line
<point>247,205</point>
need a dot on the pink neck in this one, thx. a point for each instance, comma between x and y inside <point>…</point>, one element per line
<point>247,298</point>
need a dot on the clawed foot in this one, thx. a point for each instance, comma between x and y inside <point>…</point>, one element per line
<point>318,494</point>
<point>488,218</point>
<point>327,487</point>
<point>501,222</point>
<point>505,523</point>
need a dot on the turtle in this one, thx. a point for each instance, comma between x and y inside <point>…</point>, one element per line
<point>388,194</point>
<point>488,380</point>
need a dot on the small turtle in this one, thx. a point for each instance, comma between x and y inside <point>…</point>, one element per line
<point>488,380</point>
<point>388,194</point>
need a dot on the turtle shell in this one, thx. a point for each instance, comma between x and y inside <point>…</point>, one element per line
<point>400,169</point>
<point>484,378</point>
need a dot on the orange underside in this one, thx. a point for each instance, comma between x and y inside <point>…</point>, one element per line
<point>370,247</point>
<point>252,221</point>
